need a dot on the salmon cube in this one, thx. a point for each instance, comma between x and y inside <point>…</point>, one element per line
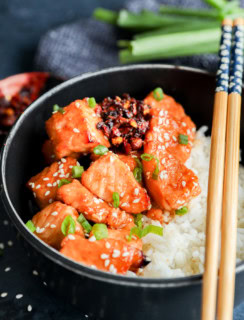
<point>49,220</point>
<point>49,155</point>
<point>45,184</point>
<point>175,185</point>
<point>129,159</point>
<point>110,255</point>
<point>109,174</point>
<point>167,104</point>
<point>75,130</point>
<point>93,208</point>
<point>167,131</point>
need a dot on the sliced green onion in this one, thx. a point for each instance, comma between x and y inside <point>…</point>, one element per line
<point>158,94</point>
<point>134,231</point>
<point>92,102</point>
<point>116,199</point>
<point>156,171</point>
<point>139,164</point>
<point>183,139</point>
<point>30,225</point>
<point>100,231</point>
<point>181,211</point>
<point>105,15</point>
<point>77,171</point>
<point>62,182</point>
<point>57,108</point>
<point>138,220</point>
<point>147,156</point>
<point>137,172</point>
<point>68,225</point>
<point>152,229</point>
<point>100,150</point>
<point>84,223</point>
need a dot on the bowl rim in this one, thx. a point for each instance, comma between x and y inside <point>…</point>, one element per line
<point>54,255</point>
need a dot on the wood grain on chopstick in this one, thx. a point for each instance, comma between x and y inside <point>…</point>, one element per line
<point>230,191</point>
<point>216,174</point>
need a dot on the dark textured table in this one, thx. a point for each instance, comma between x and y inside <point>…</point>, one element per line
<point>22,294</point>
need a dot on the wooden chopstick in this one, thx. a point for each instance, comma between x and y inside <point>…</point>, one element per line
<point>216,174</point>
<point>230,192</point>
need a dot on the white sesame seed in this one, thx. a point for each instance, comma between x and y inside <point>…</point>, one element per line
<point>38,186</point>
<point>55,174</point>
<point>35,273</point>
<point>49,185</point>
<point>115,214</point>
<point>124,204</point>
<point>183,183</point>
<point>47,193</point>
<point>19,296</point>
<point>61,176</point>
<point>7,269</point>
<point>47,225</point>
<point>160,121</point>
<point>54,213</point>
<point>67,175</point>
<point>174,138</point>
<point>45,179</point>
<point>34,194</point>
<point>70,167</point>
<point>136,191</point>
<point>107,245</point>
<point>29,308</point>
<point>112,268</point>
<point>104,256</point>
<point>54,184</point>
<point>160,139</point>
<point>116,253</point>
<point>63,160</point>
<point>136,201</point>
<point>10,243</point>
<point>125,254</point>
<point>166,145</point>
<point>1,246</point>
<point>107,262</point>
<point>183,124</point>
<point>76,130</point>
<point>45,284</point>
<point>122,194</point>
<point>92,239</point>
<point>71,237</point>
<point>40,230</point>
<point>50,200</point>
<point>53,226</point>
<point>4,294</point>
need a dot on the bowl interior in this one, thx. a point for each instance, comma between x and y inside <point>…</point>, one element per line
<point>23,159</point>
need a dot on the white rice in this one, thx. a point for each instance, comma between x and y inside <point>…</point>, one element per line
<point>180,252</point>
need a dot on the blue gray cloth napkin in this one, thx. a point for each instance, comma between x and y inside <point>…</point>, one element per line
<point>89,45</point>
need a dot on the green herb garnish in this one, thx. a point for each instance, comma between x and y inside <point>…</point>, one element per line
<point>63,182</point>
<point>140,233</point>
<point>183,139</point>
<point>84,223</point>
<point>138,220</point>
<point>68,225</point>
<point>115,199</point>
<point>137,172</point>
<point>92,102</point>
<point>147,156</point>
<point>181,211</point>
<point>57,108</point>
<point>100,231</point>
<point>158,94</point>
<point>77,171</point>
<point>30,225</point>
<point>100,150</point>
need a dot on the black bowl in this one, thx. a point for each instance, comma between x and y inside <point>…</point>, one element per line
<point>100,294</point>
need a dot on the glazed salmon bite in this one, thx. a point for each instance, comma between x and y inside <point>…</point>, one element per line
<point>74,130</point>
<point>131,179</point>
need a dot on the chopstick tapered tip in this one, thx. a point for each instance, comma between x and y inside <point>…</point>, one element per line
<point>239,22</point>
<point>227,22</point>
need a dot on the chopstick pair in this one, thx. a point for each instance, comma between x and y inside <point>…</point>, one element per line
<point>223,177</point>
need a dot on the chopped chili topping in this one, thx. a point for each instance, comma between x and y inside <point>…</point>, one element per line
<point>125,121</point>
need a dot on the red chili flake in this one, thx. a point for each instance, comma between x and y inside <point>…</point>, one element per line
<point>125,121</point>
